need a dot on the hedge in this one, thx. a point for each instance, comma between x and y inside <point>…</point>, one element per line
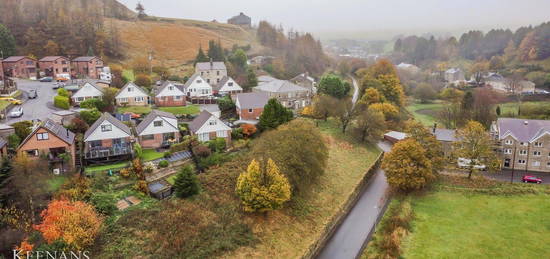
<point>61,102</point>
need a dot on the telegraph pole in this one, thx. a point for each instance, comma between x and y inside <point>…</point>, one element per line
<point>513,164</point>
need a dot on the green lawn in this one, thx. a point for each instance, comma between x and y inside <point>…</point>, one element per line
<point>55,182</point>
<point>135,109</point>
<point>99,168</point>
<point>181,110</point>
<point>425,112</point>
<point>466,225</point>
<point>151,154</point>
<point>511,109</point>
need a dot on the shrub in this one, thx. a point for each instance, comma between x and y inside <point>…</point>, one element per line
<point>178,147</point>
<point>201,151</point>
<point>78,125</point>
<point>61,102</point>
<point>76,189</point>
<point>212,160</point>
<point>148,167</point>
<point>63,92</point>
<point>94,103</point>
<point>249,130</point>
<point>163,164</point>
<point>125,172</point>
<point>141,186</point>
<point>217,145</point>
<point>167,154</point>
<point>104,203</point>
<point>14,141</point>
<point>237,133</point>
<point>186,183</point>
<point>90,116</point>
<point>22,129</point>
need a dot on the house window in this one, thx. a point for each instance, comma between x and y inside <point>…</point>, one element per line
<point>33,152</point>
<point>523,144</point>
<point>204,137</point>
<point>199,81</point>
<point>536,163</point>
<point>42,136</point>
<point>202,73</point>
<point>106,128</point>
<point>65,69</point>
<point>139,99</point>
<point>538,144</point>
<point>536,153</point>
<point>548,164</point>
<point>148,137</point>
<point>80,99</point>
<point>521,162</point>
<point>208,80</point>
<point>217,80</point>
<point>95,143</point>
<point>177,97</point>
<point>212,123</point>
<point>249,110</point>
<point>230,84</point>
<point>157,123</point>
<point>507,151</point>
<point>130,89</point>
<point>221,134</point>
<point>170,88</point>
<point>123,100</point>
<point>523,152</point>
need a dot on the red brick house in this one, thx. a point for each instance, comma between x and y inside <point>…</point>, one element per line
<point>170,94</point>
<point>53,65</point>
<point>20,67</point>
<point>250,106</point>
<point>50,140</point>
<point>158,129</point>
<point>86,67</point>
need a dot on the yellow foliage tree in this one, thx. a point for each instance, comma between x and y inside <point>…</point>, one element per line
<point>392,89</point>
<point>407,167</point>
<point>263,190</point>
<point>371,96</point>
<point>390,111</point>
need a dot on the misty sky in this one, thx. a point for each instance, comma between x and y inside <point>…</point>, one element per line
<point>378,17</point>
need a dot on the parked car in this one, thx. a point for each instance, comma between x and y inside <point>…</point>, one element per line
<point>63,77</point>
<point>32,94</point>
<point>58,85</point>
<point>465,163</point>
<point>11,100</point>
<point>46,79</point>
<point>16,112</point>
<point>531,179</point>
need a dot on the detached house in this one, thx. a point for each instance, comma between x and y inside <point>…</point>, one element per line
<point>227,86</point>
<point>250,106</point>
<point>170,94</point>
<point>197,87</point>
<point>51,140</point>
<point>132,95</point>
<point>287,93</point>
<point>207,127</point>
<point>53,65</point>
<point>454,74</point>
<point>306,81</point>
<point>20,67</point>
<point>86,67</point>
<point>158,129</point>
<point>212,72</point>
<point>87,91</point>
<point>107,139</point>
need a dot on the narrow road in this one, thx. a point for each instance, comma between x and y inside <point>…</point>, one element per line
<point>348,239</point>
<point>355,89</point>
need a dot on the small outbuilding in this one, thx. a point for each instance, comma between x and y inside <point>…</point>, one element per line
<point>160,189</point>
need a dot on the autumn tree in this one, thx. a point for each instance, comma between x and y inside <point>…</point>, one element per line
<point>392,89</point>
<point>51,48</point>
<point>249,130</point>
<point>427,140</point>
<point>143,80</point>
<point>299,151</point>
<point>274,114</point>
<point>7,42</point>
<point>333,85</point>
<point>263,189</point>
<point>425,93</point>
<point>344,111</point>
<point>369,125</point>
<point>475,145</point>
<point>406,166</point>
<point>118,81</point>
<point>390,111</point>
<point>323,105</point>
<point>371,96</point>
<point>75,223</point>
<point>187,183</point>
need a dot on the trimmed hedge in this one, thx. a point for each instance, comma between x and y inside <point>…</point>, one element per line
<point>61,102</point>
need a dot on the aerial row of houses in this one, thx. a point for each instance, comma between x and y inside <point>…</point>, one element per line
<point>27,67</point>
<point>495,81</point>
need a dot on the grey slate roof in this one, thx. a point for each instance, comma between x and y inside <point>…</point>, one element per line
<point>151,117</point>
<point>84,59</point>
<point>220,84</point>
<point>190,81</point>
<point>164,84</point>
<point>446,135</point>
<point>280,86</point>
<point>252,100</point>
<point>521,129</point>
<point>210,65</point>
<point>197,123</point>
<point>56,129</point>
<point>112,120</point>
<point>50,58</point>
<point>265,79</point>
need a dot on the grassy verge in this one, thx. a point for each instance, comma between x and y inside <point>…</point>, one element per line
<point>458,218</point>
<point>151,154</point>
<point>290,232</point>
<point>99,168</point>
<point>181,110</point>
<point>135,109</point>
<point>425,113</point>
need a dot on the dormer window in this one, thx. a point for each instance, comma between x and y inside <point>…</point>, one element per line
<point>130,89</point>
<point>212,123</point>
<point>170,88</point>
<point>199,81</point>
<point>230,84</point>
<point>106,128</point>
<point>157,123</point>
<point>42,136</point>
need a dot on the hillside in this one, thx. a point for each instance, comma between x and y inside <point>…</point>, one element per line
<point>175,41</point>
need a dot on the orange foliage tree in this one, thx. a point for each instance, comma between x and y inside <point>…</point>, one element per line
<point>75,223</point>
<point>248,129</point>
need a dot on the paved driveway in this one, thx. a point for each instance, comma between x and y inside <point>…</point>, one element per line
<point>38,108</point>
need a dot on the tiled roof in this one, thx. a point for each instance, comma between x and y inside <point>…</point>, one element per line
<point>197,123</point>
<point>252,100</point>
<point>222,82</point>
<point>14,58</point>
<point>151,117</point>
<point>445,135</point>
<point>521,129</point>
<point>280,86</point>
<point>50,58</point>
<point>84,59</point>
<point>210,66</point>
<point>56,129</point>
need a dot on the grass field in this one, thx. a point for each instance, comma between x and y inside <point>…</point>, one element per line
<point>151,154</point>
<point>181,110</point>
<point>511,109</point>
<point>425,112</point>
<point>135,109</point>
<point>451,225</point>
<point>290,236</point>
<point>91,169</point>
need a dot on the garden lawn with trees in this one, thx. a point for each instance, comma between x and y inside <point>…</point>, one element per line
<point>426,113</point>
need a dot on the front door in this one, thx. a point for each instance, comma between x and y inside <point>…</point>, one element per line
<point>507,162</point>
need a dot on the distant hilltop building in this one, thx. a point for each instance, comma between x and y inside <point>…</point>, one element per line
<point>241,20</point>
